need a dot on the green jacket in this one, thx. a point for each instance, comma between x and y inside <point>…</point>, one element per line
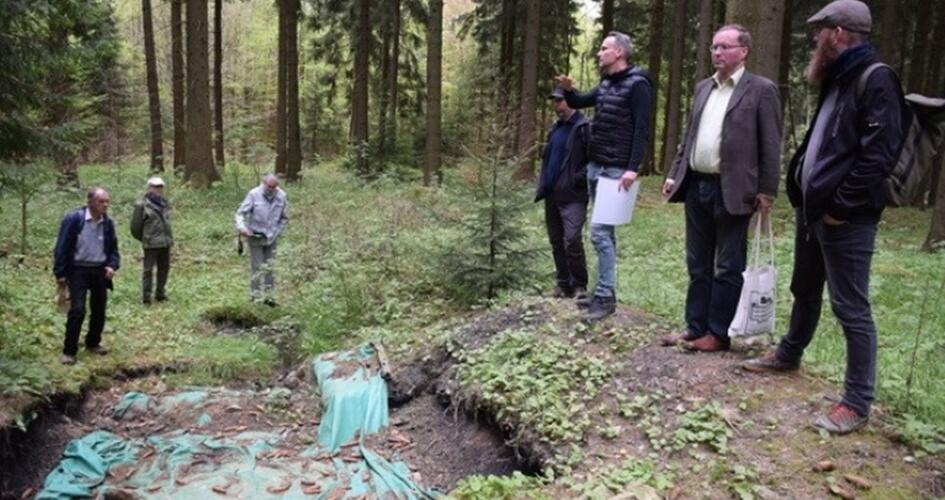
<point>151,224</point>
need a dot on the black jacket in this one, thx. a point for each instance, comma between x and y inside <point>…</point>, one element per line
<point>64,254</point>
<point>570,186</point>
<point>864,139</point>
<point>620,129</point>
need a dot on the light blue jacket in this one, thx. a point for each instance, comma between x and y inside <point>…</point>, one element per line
<point>259,215</point>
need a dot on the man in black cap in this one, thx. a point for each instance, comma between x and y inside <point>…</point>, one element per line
<point>835,183</point>
<point>562,183</point>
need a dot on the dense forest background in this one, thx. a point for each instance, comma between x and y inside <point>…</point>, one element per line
<point>392,86</point>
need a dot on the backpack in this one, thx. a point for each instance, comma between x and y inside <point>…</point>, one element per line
<point>906,176</point>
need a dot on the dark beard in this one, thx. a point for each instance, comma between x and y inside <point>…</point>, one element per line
<point>820,60</point>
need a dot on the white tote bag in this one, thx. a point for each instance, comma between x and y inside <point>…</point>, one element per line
<point>755,312</point>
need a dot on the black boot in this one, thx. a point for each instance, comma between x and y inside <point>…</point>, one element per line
<point>600,308</point>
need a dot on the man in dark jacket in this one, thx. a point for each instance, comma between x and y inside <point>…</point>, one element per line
<point>562,184</point>
<point>151,225</point>
<point>727,168</point>
<point>619,133</point>
<point>85,259</point>
<point>835,183</point>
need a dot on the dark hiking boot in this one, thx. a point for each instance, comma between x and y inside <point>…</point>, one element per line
<point>101,351</point>
<point>679,338</point>
<point>841,419</point>
<point>67,359</point>
<point>580,293</point>
<point>600,308</point>
<point>584,303</point>
<point>709,343</point>
<point>770,362</point>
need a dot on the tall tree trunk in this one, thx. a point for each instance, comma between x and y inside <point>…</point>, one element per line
<point>784,70</point>
<point>703,58</point>
<point>433,158</point>
<point>198,170</point>
<point>392,91</point>
<point>526,123</point>
<point>383,98</point>
<point>887,28</point>
<point>281,85</point>
<point>606,17</point>
<point>933,85</point>
<point>507,65</point>
<point>673,109</point>
<point>765,20</point>
<point>359,97</point>
<point>936,236</point>
<point>294,140</point>
<point>154,99</point>
<point>177,78</point>
<point>218,82</point>
<point>920,47</point>
<point>655,51</point>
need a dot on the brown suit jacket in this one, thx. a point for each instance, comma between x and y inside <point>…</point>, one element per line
<point>751,143</point>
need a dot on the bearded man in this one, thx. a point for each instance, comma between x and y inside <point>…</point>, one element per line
<point>835,183</point>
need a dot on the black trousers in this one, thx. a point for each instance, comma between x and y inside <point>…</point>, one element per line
<point>160,258</point>
<point>716,251</point>
<point>565,223</point>
<point>841,257</point>
<point>91,282</point>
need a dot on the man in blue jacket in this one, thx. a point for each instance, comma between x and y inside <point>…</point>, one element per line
<point>835,183</point>
<point>562,183</point>
<point>85,259</point>
<point>619,133</point>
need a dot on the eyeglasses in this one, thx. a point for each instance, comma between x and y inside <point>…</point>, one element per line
<point>723,47</point>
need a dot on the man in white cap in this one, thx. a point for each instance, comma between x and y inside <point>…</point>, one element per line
<point>835,183</point>
<point>151,225</point>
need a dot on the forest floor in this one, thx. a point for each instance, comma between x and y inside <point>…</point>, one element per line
<point>521,386</point>
<point>588,412</point>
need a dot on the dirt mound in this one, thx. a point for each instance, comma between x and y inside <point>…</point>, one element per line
<point>607,408</point>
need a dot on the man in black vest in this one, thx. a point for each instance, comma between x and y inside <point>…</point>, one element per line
<point>619,133</point>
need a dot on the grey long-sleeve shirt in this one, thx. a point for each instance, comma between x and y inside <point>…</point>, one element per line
<point>259,214</point>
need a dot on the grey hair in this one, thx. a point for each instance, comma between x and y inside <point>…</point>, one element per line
<point>93,192</point>
<point>623,42</point>
<point>270,177</point>
<point>744,37</point>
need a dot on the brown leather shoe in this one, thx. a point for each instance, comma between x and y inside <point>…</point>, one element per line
<point>708,343</point>
<point>679,338</point>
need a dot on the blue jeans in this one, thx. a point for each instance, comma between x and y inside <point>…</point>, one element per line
<point>715,255</point>
<point>839,255</point>
<point>602,235</point>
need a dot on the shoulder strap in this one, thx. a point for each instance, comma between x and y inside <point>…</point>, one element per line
<point>865,75</point>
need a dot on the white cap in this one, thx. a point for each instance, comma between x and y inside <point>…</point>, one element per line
<point>155,182</point>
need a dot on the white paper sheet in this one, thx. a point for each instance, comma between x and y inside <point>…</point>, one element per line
<point>613,206</point>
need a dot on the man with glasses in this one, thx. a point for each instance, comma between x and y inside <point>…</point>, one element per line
<point>835,183</point>
<point>562,183</point>
<point>727,168</point>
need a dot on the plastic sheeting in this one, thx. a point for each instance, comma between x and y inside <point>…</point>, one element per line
<point>252,464</point>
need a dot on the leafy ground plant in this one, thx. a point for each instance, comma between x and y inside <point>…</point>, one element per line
<point>542,384</point>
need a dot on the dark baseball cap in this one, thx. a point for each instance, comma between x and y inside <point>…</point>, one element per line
<point>852,15</point>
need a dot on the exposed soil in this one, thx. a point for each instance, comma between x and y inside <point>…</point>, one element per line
<point>768,417</point>
<point>442,431</point>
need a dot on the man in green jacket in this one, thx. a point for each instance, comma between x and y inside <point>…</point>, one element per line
<point>151,225</point>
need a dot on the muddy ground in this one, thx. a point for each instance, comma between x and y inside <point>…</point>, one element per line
<point>665,421</point>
